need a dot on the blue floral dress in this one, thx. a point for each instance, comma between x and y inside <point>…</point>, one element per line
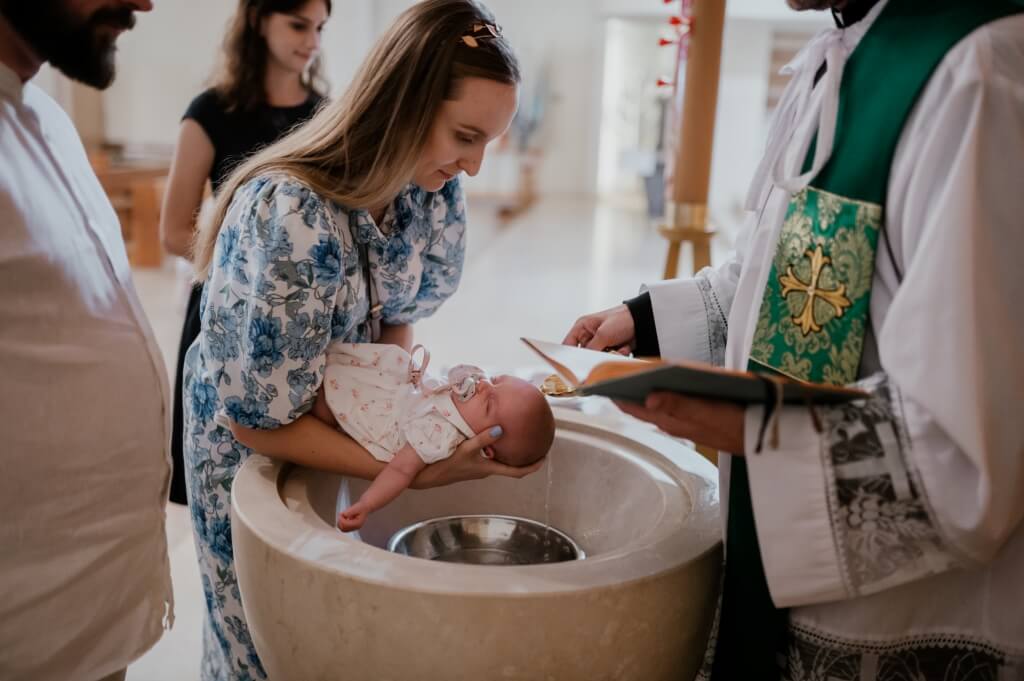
<point>288,278</point>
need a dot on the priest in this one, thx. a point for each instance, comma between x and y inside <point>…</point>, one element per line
<point>882,539</point>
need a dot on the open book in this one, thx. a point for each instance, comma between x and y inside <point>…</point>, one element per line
<point>588,372</point>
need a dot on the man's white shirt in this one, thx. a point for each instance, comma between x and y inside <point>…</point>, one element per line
<point>84,425</point>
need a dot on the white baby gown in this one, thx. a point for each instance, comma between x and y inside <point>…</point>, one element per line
<point>370,390</point>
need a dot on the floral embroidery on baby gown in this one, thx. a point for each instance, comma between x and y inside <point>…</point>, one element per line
<point>433,436</point>
<point>385,410</point>
<point>286,280</point>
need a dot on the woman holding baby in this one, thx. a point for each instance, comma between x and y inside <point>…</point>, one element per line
<point>347,231</point>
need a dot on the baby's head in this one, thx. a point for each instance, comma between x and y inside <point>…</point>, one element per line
<point>522,412</point>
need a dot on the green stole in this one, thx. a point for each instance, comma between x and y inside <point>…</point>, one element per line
<point>814,311</point>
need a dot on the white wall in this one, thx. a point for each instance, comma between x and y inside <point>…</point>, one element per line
<point>162,64</point>
<point>630,103</point>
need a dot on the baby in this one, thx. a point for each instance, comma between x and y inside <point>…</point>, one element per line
<point>382,398</point>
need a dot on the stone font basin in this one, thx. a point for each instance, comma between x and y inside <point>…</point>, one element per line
<point>642,506</point>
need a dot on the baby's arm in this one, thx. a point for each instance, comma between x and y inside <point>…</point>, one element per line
<point>396,477</point>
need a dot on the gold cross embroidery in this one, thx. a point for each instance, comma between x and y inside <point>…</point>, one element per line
<point>835,297</point>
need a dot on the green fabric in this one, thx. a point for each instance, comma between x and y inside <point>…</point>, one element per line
<point>884,78</point>
<point>841,213</point>
<point>815,309</point>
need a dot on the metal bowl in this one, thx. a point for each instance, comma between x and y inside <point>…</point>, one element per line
<point>485,540</point>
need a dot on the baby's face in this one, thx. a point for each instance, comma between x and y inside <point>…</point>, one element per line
<point>498,401</point>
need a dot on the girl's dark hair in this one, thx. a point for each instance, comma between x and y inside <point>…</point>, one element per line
<point>239,80</point>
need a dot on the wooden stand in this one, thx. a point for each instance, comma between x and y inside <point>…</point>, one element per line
<point>688,223</point>
<point>692,167</point>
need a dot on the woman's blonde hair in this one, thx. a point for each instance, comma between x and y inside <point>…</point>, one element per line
<point>362,150</point>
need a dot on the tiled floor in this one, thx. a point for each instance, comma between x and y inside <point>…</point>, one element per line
<point>531,277</point>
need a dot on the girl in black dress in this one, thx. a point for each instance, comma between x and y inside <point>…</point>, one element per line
<point>268,83</point>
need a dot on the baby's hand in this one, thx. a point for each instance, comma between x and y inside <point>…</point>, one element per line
<point>351,519</point>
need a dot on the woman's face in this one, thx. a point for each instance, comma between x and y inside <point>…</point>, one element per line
<point>293,39</point>
<point>480,112</point>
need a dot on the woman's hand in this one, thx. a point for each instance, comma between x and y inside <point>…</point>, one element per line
<point>609,329</point>
<point>469,463</point>
<point>712,423</point>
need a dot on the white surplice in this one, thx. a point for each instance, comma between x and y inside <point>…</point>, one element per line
<point>84,465</point>
<point>929,584</point>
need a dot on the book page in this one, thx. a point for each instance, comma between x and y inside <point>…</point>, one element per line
<point>577,365</point>
<point>617,368</point>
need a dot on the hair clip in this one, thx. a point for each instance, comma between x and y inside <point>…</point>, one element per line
<point>473,40</point>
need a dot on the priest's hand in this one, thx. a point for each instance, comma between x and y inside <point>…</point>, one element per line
<point>610,329</point>
<point>712,423</point>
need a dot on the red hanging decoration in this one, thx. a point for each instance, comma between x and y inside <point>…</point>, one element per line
<point>682,25</point>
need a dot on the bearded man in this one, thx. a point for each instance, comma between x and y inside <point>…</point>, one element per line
<point>84,574</point>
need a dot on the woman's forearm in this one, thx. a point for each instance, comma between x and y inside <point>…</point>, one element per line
<point>399,334</point>
<point>310,442</point>
<point>177,237</point>
<point>183,193</point>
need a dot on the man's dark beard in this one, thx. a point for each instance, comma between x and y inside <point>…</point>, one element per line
<point>78,48</point>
